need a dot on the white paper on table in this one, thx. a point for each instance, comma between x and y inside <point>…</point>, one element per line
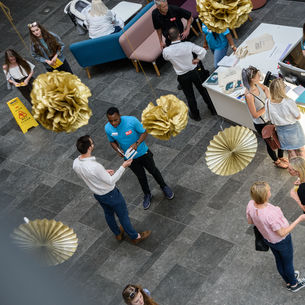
<point>228,61</point>
<point>299,90</point>
<point>278,50</point>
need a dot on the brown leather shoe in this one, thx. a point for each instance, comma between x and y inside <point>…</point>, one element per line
<point>144,235</point>
<point>121,235</point>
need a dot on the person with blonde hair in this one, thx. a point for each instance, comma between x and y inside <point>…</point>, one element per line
<point>275,228</point>
<point>285,115</point>
<point>101,21</point>
<point>297,168</point>
<point>136,295</point>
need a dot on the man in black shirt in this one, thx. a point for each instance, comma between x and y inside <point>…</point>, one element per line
<point>167,16</point>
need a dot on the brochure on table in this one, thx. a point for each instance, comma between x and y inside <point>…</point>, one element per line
<point>284,37</point>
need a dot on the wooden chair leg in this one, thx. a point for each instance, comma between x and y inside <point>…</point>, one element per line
<point>250,18</point>
<point>234,33</point>
<point>135,63</point>
<point>199,25</point>
<point>194,31</point>
<point>88,72</point>
<point>156,68</point>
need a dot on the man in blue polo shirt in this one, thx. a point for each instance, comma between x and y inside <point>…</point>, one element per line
<point>126,132</point>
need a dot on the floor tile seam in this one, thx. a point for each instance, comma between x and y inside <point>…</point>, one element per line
<point>31,167</point>
<point>218,236</point>
<point>45,172</point>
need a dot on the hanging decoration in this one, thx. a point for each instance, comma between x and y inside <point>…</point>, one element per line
<point>60,101</point>
<point>50,241</point>
<point>231,150</point>
<point>167,119</point>
<point>218,15</point>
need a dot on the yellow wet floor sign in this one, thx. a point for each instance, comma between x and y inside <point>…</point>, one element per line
<point>22,116</point>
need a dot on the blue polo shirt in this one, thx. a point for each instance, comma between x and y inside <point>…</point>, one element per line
<point>302,44</point>
<point>220,42</point>
<point>127,133</point>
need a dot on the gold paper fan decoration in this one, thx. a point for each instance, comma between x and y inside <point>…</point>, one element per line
<point>50,240</point>
<point>231,150</point>
<point>167,119</point>
<point>218,15</point>
<point>60,101</point>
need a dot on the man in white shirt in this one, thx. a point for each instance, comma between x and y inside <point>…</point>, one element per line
<point>102,183</point>
<point>180,54</point>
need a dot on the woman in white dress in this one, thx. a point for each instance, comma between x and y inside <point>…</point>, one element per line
<point>19,73</point>
<point>101,21</point>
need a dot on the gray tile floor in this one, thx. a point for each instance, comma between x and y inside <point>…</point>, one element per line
<point>201,249</point>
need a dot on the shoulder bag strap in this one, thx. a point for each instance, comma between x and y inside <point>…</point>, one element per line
<point>262,102</point>
<point>268,101</point>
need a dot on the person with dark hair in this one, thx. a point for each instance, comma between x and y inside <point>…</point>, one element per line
<point>102,183</point>
<point>166,16</point>
<point>19,72</point>
<point>256,96</point>
<point>136,295</point>
<point>217,42</point>
<point>180,54</point>
<point>127,132</point>
<point>275,229</point>
<point>303,40</point>
<point>47,48</point>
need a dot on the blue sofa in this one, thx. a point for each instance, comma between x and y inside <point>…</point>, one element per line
<point>104,49</point>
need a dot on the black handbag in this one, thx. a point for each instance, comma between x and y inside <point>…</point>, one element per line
<point>259,241</point>
<point>203,73</point>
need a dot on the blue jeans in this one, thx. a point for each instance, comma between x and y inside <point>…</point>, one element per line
<point>283,253</point>
<point>219,54</point>
<point>113,202</point>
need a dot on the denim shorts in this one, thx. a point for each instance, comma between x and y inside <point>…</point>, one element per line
<point>291,136</point>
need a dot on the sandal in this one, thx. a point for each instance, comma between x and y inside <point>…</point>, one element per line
<point>280,164</point>
<point>284,160</point>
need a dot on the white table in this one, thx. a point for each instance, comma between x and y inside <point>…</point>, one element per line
<point>234,109</point>
<point>125,10</point>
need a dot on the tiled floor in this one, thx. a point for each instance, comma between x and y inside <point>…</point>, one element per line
<point>201,249</point>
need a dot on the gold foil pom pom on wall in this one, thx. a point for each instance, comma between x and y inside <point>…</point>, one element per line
<point>60,101</point>
<point>167,119</point>
<point>231,150</point>
<point>50,241</point>
<point>218,15</point>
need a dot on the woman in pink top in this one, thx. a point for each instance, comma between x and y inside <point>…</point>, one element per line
<point>275,229</point>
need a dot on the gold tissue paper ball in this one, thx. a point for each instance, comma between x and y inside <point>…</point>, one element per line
<point>218,15</point>
<point>60,101</point>
<point>167,119</point>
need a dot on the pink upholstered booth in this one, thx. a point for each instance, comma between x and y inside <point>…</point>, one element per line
<point>141,42</point>
<point>258,3</point>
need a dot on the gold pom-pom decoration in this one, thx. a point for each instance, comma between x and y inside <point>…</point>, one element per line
<point>167,119</point>
<point>60,101</point>
<point>50,241</point>
<point>231,150</point>
<point>218,15</point>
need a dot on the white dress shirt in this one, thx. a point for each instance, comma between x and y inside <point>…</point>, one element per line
<point>180,55</point>
<point>94,174</point>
